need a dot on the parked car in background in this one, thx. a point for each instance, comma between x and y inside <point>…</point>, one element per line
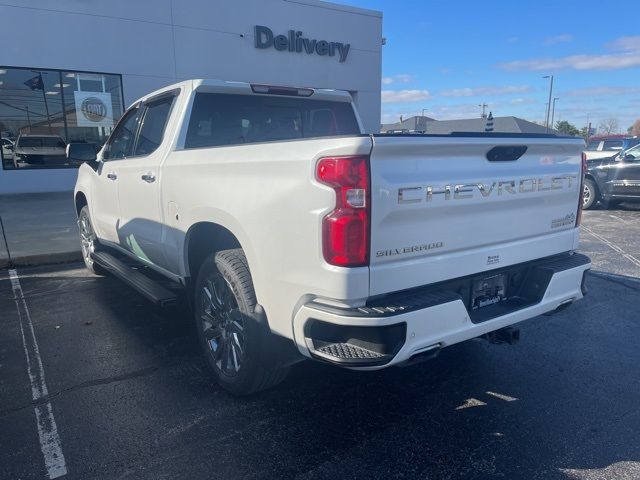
<point>7,152</point>
<point>39,150</point>
<point>613,179</point>
<point>606,146</point>
<point>401,131</point>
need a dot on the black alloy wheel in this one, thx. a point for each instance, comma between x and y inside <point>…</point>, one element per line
<point>222,324</point>
<point>237,345</point>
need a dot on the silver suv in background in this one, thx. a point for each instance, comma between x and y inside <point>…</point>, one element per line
<point>39,151</point>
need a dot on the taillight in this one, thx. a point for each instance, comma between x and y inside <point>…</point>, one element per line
<point>345,230</point>
<point>581,193</point>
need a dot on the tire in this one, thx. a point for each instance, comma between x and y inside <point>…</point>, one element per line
<point>88,242</point>
<point>234,342</point>
<point>589,194</point>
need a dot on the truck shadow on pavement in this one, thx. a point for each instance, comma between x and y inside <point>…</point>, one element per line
<point>127,379</point>
<point>624,206</point>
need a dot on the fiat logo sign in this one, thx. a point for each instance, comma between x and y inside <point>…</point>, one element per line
<point>94,109</point>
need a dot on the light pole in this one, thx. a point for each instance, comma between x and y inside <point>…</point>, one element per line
<point>588,128</point>
<point>28,117</point>
<point>423,111</point>
<point>484,109</point>
<point>546,122</point>
<point>553,109</point>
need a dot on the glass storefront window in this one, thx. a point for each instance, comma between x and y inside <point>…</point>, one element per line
<point>43,110</point>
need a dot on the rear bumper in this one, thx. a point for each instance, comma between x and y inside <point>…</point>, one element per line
<point>392,329</point>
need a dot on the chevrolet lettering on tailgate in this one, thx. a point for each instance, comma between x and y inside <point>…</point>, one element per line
<point>461,191</point>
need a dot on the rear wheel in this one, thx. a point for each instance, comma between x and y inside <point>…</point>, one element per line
<point>233,341</point>
<point>88,241</point>
<point>589,194</point>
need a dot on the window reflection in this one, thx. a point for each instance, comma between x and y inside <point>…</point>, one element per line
<point>43,110</point>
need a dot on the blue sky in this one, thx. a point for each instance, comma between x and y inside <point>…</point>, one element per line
<point>448,57</point>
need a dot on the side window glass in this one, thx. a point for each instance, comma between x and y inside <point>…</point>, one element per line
<point>120,143</point>
<point>612,145</point>
<point>153,125</point>
<point>632,155</point>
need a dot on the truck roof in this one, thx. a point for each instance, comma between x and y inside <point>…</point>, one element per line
<point>613,136</point>
<point>246,88</point>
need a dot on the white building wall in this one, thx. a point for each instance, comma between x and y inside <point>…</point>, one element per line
<point>152,43</point>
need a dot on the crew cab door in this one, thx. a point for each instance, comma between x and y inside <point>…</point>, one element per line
<point>105,210</point>
<point>141,226</point>
<point>625,175</point>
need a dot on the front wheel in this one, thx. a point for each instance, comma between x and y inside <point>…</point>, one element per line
<point>234,342</point>
<point>589,194</point>
<point>88,241</point>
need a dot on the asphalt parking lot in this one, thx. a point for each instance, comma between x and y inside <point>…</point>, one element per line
<point>128,396</point>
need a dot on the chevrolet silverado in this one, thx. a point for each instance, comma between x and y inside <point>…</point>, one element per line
<point>293,234</point>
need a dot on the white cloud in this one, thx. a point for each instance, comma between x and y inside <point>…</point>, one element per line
<point>577,62</point>
<point>404,96</point>
<point>483,91</point>
<point>603,91</point>
<point>629,56</point>
<point>575,110</point>
<point>400,78</point>
<point>555,39</point>
<point>626,44</point>
<point>456,111</point>
<point>404,78</point>
<point>522,101</point>
<point>442,111</point>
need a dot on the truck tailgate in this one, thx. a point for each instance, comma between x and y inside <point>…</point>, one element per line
<point>441,209</point>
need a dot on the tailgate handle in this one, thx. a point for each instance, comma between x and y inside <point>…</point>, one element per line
<point>506,153</point>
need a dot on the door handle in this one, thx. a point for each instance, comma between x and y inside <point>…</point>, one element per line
<point>112,176</point>
<point>149,177</point>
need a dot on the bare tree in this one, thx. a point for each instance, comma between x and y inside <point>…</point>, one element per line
<point>635,128</point>
<point>609,126</point>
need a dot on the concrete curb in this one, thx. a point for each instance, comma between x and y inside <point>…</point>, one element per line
<point>43,259</point>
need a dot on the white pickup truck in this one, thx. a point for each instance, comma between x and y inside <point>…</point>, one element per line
<point>295,235</point>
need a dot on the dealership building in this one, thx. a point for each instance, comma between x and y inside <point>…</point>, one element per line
<point>70,68</point>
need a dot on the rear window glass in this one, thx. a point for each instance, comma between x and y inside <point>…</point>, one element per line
<point>221,119</point>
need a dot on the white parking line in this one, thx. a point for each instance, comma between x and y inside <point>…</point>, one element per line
<point>613,246</point>
<point>502,396</point>
<point>47,429</point>
<point>619,218</point>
